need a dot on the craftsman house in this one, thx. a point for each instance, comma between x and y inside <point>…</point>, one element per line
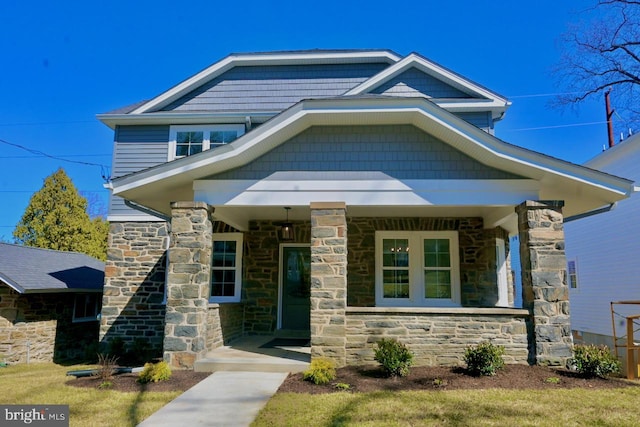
<point>342,195</point>
<point>49,304</point>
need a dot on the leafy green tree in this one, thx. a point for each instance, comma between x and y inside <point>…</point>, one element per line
<point>57,218</point>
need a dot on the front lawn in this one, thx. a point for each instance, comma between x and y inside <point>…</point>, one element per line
<point>493,407</point>
<point>44,383</point>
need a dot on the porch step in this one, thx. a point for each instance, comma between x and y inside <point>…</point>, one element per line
<point>257,354</point>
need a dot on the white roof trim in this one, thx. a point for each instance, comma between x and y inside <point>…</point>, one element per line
<point>180,174</point>
<point>236,60</point>
<point>435,70</point>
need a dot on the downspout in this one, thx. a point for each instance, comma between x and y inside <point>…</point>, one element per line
<point>591,213</point>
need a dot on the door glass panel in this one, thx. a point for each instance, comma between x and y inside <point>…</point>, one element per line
<point>296,287</point>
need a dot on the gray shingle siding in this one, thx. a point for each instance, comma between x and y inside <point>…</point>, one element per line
<point>137,148</point>
<point>414,82</point>
<point>401,151</point>
<point>481,119</point>
<point>274,88</point>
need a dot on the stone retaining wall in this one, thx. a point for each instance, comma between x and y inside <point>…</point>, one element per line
<point>436,339</point>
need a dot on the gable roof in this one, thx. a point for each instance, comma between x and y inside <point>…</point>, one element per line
<point>582,188</point>
<point>268,58</point>
<point>35,270</point>
<point>480,98</point>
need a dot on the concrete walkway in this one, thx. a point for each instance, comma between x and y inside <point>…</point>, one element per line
<point>222,399</point>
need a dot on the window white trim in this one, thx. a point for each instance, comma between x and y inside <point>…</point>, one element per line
<point>236,237</point>
<point>206,129</point>
<point>91,303</point>
<point>416,268</point>
<point>501,273</point>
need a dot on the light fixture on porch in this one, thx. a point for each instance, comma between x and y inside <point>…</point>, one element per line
<point>286,228</point>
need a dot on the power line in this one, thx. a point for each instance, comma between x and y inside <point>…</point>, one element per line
<point>555,127</point>
<point>104,170</point>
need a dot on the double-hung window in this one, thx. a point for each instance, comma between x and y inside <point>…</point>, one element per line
<point>186,140</point>
<point>417,268</point>
<point>226,267</point>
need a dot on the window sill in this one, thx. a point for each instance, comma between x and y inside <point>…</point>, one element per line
<point>218,304</point>
<point>517,312</point>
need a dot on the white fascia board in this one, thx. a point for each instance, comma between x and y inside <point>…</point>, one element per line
<point>257,59</point>
<point>417,111</point>
<point>296,189</point>
<point>134,218</point>
<point>186,118</point>
<point>434,70</point>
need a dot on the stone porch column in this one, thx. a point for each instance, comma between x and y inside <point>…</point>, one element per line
<point>328,281</point>
<point>188,279</point>
<point>544,285</point>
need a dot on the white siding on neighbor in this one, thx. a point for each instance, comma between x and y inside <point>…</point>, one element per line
<point>402,151</point>
<point>274,88</point>
<point>606,248</point>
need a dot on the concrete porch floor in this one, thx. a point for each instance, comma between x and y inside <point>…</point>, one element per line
<point>253,354</point>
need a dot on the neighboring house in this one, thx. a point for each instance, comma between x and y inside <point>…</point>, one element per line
<point>602,254</point>
<point>342,195</point>
<point>49,303</point>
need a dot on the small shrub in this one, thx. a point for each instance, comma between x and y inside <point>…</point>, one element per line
<point>321,371</point>
<point>553,380</point>
<point>106,366</point>
<point>154,372</point>
<point>105,384</point>
<point>116,346</point>
<point>594,361</point>
<point>394,357</point>
<point>485,359</point>
<point>342,386</point>
<point>439,382</point>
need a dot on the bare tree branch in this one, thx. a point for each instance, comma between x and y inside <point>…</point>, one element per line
<point>603,53</point>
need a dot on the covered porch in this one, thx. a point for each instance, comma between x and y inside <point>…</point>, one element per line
<point>344,310</point>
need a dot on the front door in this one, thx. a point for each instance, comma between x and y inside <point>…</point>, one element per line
<point>295,287</point>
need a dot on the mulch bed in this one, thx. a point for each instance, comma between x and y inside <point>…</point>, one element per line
<point>368,379</point>
<point>179,381</point>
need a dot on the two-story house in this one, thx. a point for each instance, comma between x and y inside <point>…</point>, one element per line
<point>343,195</point>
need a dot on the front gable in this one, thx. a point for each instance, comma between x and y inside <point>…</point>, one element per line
<point>399,151</point>
<point>414,82</point>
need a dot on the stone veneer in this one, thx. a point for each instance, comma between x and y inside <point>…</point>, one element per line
<point>544,281</point>
<point>132,304</point>
<point>39,328</point>
<point>328,281</point>
<point>188,284</point>
<point>436,337</point>
<point>478,279</point>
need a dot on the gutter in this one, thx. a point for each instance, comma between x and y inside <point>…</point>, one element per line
<point>146,210</point>
<point>591,213</point>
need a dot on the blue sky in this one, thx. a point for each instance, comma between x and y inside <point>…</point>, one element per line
<point>64,62</point>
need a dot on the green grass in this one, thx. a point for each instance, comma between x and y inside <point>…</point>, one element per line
<point>569,407</point>
<point>44,383</point>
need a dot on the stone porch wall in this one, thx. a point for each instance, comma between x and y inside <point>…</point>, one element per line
<point>132,304</point>
<point>260,286</point>
<point>39,328</point>
<point>224,324</point>
<point>436,337</point>
<point>477,256</point>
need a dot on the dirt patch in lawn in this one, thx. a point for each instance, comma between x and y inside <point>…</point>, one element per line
<point>367,379</point>
<point>179,381</point>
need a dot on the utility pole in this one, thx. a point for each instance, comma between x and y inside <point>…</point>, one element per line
<point>609,114</point>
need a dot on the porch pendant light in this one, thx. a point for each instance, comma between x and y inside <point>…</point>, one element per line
<point>286,229</point>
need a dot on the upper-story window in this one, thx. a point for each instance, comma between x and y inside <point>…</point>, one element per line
<point>185,140</point>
